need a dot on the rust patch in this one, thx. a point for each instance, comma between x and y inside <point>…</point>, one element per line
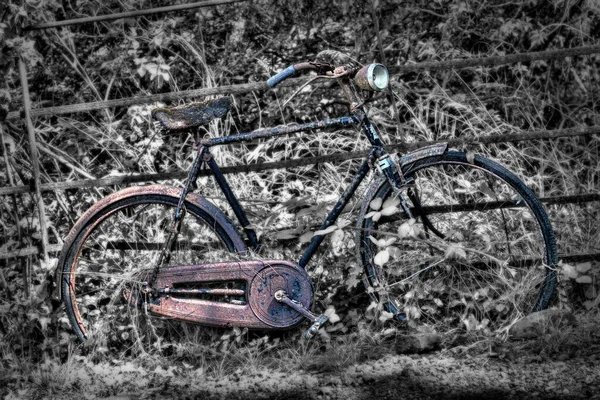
<point>262,279</point>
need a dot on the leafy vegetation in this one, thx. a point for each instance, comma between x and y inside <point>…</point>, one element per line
<point>248,42</point>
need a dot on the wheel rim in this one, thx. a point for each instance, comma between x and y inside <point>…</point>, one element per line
<point>112,258</point>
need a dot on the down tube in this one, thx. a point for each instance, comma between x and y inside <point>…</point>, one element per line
<point>339,206</point>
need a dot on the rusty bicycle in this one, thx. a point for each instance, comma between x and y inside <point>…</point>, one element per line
<point>444,238</point>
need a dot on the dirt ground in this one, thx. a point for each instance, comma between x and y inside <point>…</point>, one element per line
<point>432,376</point>
<point>436,375</point>
<point>560,365</point>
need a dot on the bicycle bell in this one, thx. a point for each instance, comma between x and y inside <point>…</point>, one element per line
<point>372,77</point>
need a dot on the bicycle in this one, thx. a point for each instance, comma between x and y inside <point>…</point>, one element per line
<point>444,238</point>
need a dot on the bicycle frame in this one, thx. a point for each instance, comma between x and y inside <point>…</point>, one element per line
<point>278,294</point>
<point>377,153</point>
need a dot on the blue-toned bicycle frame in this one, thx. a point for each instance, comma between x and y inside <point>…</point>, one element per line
<point>359,118</point>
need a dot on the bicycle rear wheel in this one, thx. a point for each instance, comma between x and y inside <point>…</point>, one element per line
<point>478,255</point>
<point>113,248</point>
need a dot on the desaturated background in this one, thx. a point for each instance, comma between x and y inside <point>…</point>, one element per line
<point>247,42</point>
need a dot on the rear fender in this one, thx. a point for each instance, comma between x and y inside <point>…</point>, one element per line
<point>88,220</point>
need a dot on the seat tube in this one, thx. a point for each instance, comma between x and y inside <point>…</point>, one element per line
<point>231,199</point>
<point>190,183</point>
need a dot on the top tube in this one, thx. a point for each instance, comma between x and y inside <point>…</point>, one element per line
<point>281,130</point>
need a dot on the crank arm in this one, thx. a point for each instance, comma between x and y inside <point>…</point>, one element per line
<point>282,297</point>
<point>317,320</point>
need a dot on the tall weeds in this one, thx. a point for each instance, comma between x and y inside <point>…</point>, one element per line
<point>249,42</point>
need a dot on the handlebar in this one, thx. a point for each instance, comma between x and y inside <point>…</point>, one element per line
<point>321,68</point>
<point>371,77</point>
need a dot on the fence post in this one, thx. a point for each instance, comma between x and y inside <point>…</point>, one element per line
<point>35,162</point>
<point>13,197</point>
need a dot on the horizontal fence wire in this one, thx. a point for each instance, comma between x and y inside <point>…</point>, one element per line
<point>29,251</point>
<point>261,86</point>
<point>56,248</point>
<point>495,60</point>
<point>129,14</point>
<point>300,162</point>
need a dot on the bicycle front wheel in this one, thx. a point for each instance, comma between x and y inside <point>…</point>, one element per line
<point>113,249</point>
<point>478,254</point>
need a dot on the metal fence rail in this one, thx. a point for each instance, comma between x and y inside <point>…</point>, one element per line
<point>299,162</point>
<point>28,113</point>
<point>129,14</point>
<point>262,86</point>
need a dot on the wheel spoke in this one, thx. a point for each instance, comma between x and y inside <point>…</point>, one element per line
<point>111,259</point>
<point>415,274</point>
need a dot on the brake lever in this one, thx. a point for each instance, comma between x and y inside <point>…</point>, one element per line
<point>314,78</point>
<point>321,68</point>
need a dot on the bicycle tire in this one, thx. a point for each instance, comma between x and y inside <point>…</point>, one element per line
<point>443,273</point>
<point>98,264</point>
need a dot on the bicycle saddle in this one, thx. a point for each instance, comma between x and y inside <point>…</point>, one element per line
<point>191,115</point>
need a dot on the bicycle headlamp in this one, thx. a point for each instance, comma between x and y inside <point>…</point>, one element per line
<point>372,77</point>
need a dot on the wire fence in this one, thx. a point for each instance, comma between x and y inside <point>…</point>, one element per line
<point>28,113</point>
<point>300,162</point>
<point>262,86</point>
<point>130,14</point>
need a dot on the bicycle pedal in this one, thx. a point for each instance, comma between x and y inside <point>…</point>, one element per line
<point>392,308</point>
<point>314,328</point>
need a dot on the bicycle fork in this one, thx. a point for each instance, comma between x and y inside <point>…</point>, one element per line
<point>390,168</point>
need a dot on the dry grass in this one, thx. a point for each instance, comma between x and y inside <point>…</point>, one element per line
<point>542,165</point>
<point>105,146</point>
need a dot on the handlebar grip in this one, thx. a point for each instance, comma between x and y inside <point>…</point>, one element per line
<point>283,75</point>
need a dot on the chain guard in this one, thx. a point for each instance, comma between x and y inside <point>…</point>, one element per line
<point>257,310</point>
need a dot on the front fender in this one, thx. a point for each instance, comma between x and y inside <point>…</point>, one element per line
<point>434,150</point>
<point>423,152</point>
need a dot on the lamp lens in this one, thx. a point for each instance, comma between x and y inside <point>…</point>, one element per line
<point>380,77</point>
